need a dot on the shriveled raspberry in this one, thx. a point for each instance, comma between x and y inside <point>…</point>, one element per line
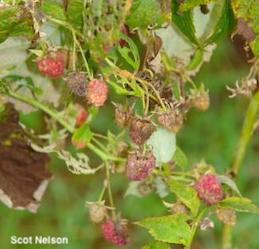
<point>201,101</point>
<point>52,65</point>
<point>209,189</point>
<point>140,130</point>
<point>97,92</point>
<point>81,117</point>
<point>171,120</point>
<point>179,208</point>
<point>226,215</point>
<point>144,188</point>
<point>97,212</point>
<point>115,232</point>
<point>77,82</point>
<point>206,224</point>
<point>140,166</point>
<point>122,116</point>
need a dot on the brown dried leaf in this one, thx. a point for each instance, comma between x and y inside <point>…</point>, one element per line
<point>23,173</point>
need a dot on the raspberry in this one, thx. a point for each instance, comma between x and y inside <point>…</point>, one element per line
<point>52,65</point>
<point>140,130</point>
<point>115,232</point>
<point>144,188</point>
<point>122,116</point>
<point>171,120</point>
<point>209,189</point>
<point>97,212</point>
<point>97,92</point>
<point>140,166</point>
<point>179,208</point>
<point>77,83</point>
<point>226,215</point>
<point>81,117</point>
<point>201,101</point>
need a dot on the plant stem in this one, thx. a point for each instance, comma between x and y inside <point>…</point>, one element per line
<point>55,115</point>
<point>246,134</point>
<point>44,108</point>
<point>195,226</point>
<point>108,178</point>
<point>226,239</point>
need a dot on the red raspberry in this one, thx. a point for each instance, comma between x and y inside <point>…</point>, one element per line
<point>140,166</point>
<point>81,117</point>
<point>209,189</point>
<point>115,232</point>
<point>53,65</point>
<point>97,92</point>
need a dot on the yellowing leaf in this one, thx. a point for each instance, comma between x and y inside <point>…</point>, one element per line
<point>190,4</point>
<point>170,229</point>
<point>186,195</point>
<point>240,204</point>
<point>156,245</point>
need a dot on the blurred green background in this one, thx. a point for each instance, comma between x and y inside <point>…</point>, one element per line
<point>211,135</point>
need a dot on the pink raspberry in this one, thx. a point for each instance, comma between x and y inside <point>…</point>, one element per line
<point>53,65</point>
<point>209,189</point>
<point>114,232</point>
<point>140,166</point>
<point>97,92</point>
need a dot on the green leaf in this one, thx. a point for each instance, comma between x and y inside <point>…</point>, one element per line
<point>186,195</point>
<point>119,89</point>
<point>170,229</point>
<point>144,13</point>
<point>156,245</point>
<point>14,21</point>
<point>196,60</point>
<point>240,204</point>
<point>255,45</point>
<point>131,53</point>
<point>223,14</point>
<point>82,136</point>
<point>180,158</point>
<point>163,143</point>
<point>54,10</point>
<point>229,182</point>
<point>184,22</point>
<point>190,4</point>
<point>75,13</point>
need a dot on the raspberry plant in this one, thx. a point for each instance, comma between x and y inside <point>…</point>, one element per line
<point>141,57</point>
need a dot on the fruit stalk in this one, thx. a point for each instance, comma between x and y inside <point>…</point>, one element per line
<point>246,134</point>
